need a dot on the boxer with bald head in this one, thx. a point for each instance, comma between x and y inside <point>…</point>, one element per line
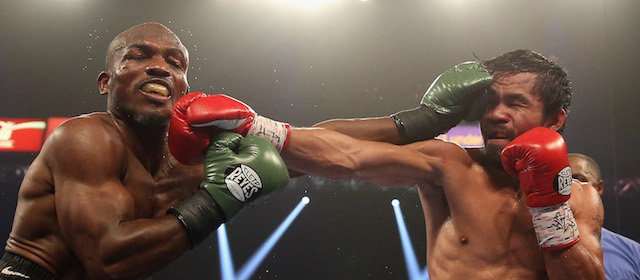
<point>586,170</point>
<point>508,210</point>
<point>621,254</point>
<point>105,199</point>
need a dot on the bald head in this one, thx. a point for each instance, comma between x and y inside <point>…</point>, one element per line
<point>585,169</point>
<point>138,33</point>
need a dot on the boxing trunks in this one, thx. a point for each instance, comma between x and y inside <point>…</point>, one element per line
<point>14,267</point>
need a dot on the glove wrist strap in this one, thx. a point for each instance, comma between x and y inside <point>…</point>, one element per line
<point>199,216</point>
<point>276,132</point>
<point>555,226</point>
<point>423,123</point>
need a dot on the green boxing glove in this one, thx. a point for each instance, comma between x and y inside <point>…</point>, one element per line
<point>236,180</point>
<point>237,172</point>
<point>456,94</point>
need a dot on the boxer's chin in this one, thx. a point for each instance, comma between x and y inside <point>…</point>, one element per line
<point>151,120</point>
<point>491,154</point>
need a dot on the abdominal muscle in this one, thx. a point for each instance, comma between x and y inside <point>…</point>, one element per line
<point>455,257</point>
<point>489,238</point>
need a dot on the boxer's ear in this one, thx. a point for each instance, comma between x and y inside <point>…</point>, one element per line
<point>103,82</point>
<point>556,120</point>
<point>599,187</point>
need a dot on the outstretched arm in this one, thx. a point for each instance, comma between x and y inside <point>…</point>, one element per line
<point>456,94</point>
<point>379,129</point>
<point>326,153</point>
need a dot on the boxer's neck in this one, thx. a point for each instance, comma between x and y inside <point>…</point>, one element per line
<point>149,144</point>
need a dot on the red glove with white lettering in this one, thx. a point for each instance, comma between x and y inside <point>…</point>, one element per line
<point>539,158</point>
<point>197,116</point>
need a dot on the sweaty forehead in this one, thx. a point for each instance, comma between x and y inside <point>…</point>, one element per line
<point>146,34</point>
<point>520,80</point>
<point>521,83</point>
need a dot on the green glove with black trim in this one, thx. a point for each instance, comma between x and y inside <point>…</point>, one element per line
<point>459,93</point>
<point>251,168</point>
<point>237,172</point>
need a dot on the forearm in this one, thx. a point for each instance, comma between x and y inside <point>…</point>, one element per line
<point>138,248</point>
<point>380,129</point>
<point>141,247</point>
<point>575,262</point>
<point>333,155</point>
<point>407,126</point>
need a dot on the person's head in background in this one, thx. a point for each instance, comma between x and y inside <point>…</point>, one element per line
<point>585,169</point>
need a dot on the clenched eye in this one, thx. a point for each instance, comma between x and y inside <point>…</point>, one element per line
<point>175,63</point>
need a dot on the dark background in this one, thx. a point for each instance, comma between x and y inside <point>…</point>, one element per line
<point>307,61</point>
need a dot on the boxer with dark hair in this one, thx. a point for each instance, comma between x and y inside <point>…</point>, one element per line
<point>508,210</point>
<point>621,254</point>
<point>105,199</point>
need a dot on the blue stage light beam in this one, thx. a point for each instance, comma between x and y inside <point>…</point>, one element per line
<point>409,255</point>
<point>252,264</point>
<point>226,262</point>
<point>425,274</point>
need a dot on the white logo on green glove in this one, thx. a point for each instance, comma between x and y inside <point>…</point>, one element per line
<point>243,182</point>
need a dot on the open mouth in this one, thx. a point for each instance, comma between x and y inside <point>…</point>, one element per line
<point>497,135</point>
<point>155,89</point>
<point>499,139</point>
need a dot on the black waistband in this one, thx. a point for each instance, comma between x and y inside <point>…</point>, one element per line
<point>15,267</point>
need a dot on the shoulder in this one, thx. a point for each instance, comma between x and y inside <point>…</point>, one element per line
<point>586,203</point>
<point>84,138</point>
<point>84,129</point>
<point>587,208</point>
<point>584,195</point>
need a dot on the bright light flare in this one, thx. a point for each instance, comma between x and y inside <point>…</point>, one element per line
<point>226,262</point>
<point>409,255</point>
<point>252,264</point>
<point>250,267</point>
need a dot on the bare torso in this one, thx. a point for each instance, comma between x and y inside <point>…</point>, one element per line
<point>37,233</point>
<point>477,222</point>
<point>479,227</point>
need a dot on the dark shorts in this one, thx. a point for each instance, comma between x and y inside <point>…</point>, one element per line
<point>14,267</point>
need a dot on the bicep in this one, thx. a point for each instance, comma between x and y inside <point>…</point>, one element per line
<point>87,212</point>
<point>89,196</point>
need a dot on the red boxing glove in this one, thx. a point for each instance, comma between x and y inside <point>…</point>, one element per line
<point>216,112</point>
<point>539,158</point>
<point>186,145</point>
<point>198,116</point>
<point>221,112</point>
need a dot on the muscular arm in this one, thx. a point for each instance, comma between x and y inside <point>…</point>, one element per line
<point>96,211</point>
<point>584,259</point>
<point>334,155</point>
<point>380,129</point>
